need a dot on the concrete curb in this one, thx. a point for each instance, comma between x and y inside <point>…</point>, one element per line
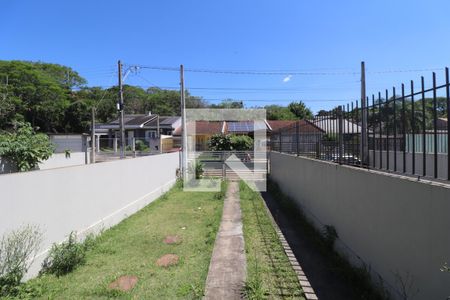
<point>302,279</point>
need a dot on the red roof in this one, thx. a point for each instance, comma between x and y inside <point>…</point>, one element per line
<point>202,127</point>
<point>304,125</point>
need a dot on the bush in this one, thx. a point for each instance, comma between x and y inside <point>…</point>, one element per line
<point>17,251</point>
<point>220,142</point>
<point>198,170</point>
<point>241,142</point>
<point>24,147</point>
<point>141,146</point>
<point>67,256</point>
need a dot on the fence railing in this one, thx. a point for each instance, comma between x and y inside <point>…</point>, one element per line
<point>406,132</point>
<point>214,163</point>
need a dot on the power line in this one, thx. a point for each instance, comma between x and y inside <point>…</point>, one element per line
<point>277,100</point>
<point>246,72</point>
<point>283,72</point>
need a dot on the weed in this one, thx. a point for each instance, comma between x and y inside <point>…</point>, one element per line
<point>223,188</point>
<point>17,251</point>
<point>66,257</point>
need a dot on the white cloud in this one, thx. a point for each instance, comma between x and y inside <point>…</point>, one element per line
<point>287,78</point>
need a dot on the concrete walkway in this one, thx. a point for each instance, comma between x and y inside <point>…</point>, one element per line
<point>227,269</point>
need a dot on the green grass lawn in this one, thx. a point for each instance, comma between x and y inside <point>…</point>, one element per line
<point>269,273</point>
<point>133,246</point>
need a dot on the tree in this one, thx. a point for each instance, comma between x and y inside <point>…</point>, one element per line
<point>277,112</point>
<point>300,110</point>
<point>24,147</point>
<point>38,93</point>
<point>228,103</point>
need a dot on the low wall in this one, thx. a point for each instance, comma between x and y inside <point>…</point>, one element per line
<point>83,198</point>
<point>59,160</point>
<point>396,225</point>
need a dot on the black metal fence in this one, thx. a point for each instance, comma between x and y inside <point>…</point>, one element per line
<point>407,131</point>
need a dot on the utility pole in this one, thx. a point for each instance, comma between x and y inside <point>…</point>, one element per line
<point>93,136</point>
<point>183,124</point>
<point>120,109</point>
<point>364,141</point>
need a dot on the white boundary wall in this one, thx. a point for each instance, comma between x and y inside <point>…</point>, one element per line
<point>85,198</point>
<point>59,160</point>
<point>394,224</point>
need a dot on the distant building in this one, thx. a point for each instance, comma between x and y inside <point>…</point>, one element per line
<point>300,136</point>
<point>146,128</point>
<point>205,129</point>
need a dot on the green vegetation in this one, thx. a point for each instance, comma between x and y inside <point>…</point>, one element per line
<point>228,103</point>
<point>141,146</point>
<point>357,277</point>
<point>241,142</point>
<point>56,98</point>
<point>17,250</point>
<point>24,147</point>
<point>294,111</point>
<point>229,142</point>
<point>269,272</point>
<point>133,247</point>
<point>220,142</point>
<point>67,256</point>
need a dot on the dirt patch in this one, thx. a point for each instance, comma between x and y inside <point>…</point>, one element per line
<point>167,260</point>
<point>123,283</point>
<point>172,239</point>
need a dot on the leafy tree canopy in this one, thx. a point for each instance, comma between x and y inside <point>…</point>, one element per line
<point>36,92</point>
<point>300,110</point>
<point>228,103</point>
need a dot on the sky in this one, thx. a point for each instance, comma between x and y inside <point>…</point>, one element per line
<point>315,47</point>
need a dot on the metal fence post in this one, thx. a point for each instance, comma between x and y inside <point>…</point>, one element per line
<point>424,130</point>
<point>435,127</point>
<point>395,129</point>
<point>340,125</point>
<point>387,129</point>
<point>413,128</point>
<point>279,136</point>
<point>297,137</point>
<point>447,89</point>
<point>404,128</point>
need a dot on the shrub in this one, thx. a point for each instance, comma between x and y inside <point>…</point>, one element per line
<point>198,170</point>
<point>24,147</point>
<point>17,251</point>
<point>241,142</point>
<point>141,146</point>
<point>66,257</point>
<point>220,142</point>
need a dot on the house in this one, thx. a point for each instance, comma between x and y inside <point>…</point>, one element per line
<point>151,129</point>
<point>203,132</point>
<point>301,136</point>
<point>442,124</point>
<point>205,129</point>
